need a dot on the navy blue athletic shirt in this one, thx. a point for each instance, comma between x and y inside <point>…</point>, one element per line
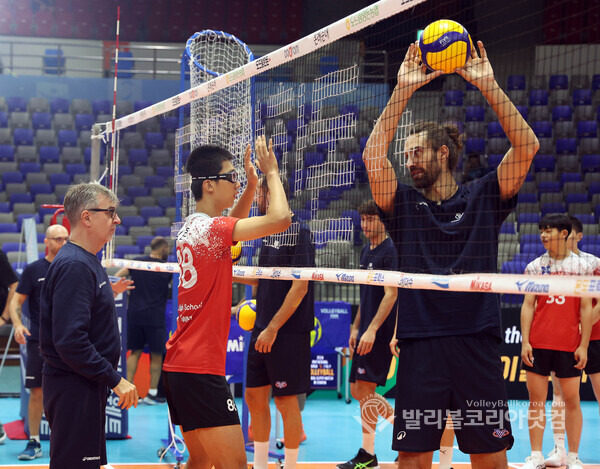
<point>30,284</point>
<point>7,278</point>
<point>79,332</point>
<point>148,300</point>
<point>382,257</point>
<point>292,248</point>
<point>458,235</point>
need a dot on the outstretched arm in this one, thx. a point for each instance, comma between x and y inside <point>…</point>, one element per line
<point>411,76</point>
<point>524,144</point>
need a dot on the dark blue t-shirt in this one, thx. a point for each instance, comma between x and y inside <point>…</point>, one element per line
<point>148,300</point>
<point>292,248</point>
<point>7,278</point>
<point>79,331</point>
<point>30,284</point>
<point>456,236</point>
<point>382,257</point>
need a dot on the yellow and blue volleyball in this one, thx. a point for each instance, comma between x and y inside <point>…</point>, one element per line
<point>246,315</point>
<point>236,252</point>
<point>445,45</point>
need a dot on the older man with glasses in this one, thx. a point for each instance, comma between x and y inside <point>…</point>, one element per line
<point>79,334</point>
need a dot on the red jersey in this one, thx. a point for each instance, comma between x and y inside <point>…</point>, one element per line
<point>199,345</point>
<point>555,323</point>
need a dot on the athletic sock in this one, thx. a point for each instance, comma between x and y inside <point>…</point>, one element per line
<point>291,458</point>
<point>368,442</point>
<point>571,457</point>
<point>559,440</point>
<point>153,392</point>
<point>445,457</point>
<point>35,437</point>
<point>537,455</point>
<point>261,454</point>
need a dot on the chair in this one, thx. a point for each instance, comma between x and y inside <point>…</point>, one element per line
<point>538,97</point>
<point>26,153</point>
<point>579,208</point>
<point>75,168</point>
<point>553,208</point>
<point>551,197</point>
<point>147,212</point>
<point>527,197</point>
<point>49,154</point>
<point>475,129</point>
<point>528,217</point>
<point>587,129</point>
<point>582,97</point>
<point>12,177</point>
<point>128,221</point>
<point>538,113</point>
<point>71,155</point>
<point>516,82</point>
<point>453,98</point>
<point>144,201</point>
<point>495,130</point>
<point>159,222</point>
<point>31,171</point>
<point>160,157</point>
<point>562,113</point>
<point>497,145</point>
<point>143,171</point>
<point>154,181</point>
<point>59,178</point>
<point>41,120</point>
<point>137,191</point>
<point>518,97</point>
<point>16,104</point>
<point>590,163</point>
<point>584,113</point>
<point>132,140</point>
<point>544,163</point>
<point>23,136</point>
<point>559,97</point>
<point>38,105</point>
<point>474,145</point>
<point>170,124</point>
<point>564,129</point>
<point>567,177</point>
<point>67,138</point>
<point>154,140</point>
<point>542,129</point>
<point>63,121</point>
<point>84,122</point>
<point>124,251</point>
<point>45,137</point>
<point>7,153</point>
<point>59,105</point>
<point>566,146</point>
<point>558,82</point>
<point>138,156</point>
<point>101,106</point>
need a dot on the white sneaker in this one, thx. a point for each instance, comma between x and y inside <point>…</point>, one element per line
<point>574,464</point>
<point>532,462</point>
<point>557,457</point>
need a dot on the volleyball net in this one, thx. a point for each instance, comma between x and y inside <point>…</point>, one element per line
<point>319,99</point>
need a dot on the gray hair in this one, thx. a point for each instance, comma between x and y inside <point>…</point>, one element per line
<point>83,196</point>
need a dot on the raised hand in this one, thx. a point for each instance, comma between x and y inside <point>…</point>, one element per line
<point>478,70</point>
<point>412,73</point>
<point>251,174</point>
<point>265,157</point>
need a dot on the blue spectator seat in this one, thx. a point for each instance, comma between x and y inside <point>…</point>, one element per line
<point>67,138</point>
<point>527,197</point>
<point>59,105</point>
<point>528,217</point>
<point>12,247</point>
<point>549,186</point>
<point>542,129</point>
<point>596,82</point>
<point>20,199</point>
<point>494,130</point>
<point>558,82</point>
<point>516,82</point>
<point>544,163</point>
<point>154,140</point>
<point>553,207</point>
<point>143,240</point>
<point>453,98</point>
<point>8,228</point>
<point>137,191</point>
<point>587,129</point>
<point>575,198</point>
<point>125,170</point>
<point>566,146</point>
<point>494,160</point>
<point>350,109</point>
<point>41,120</point>
<point>3,119</point>
<point>139,105</point>
<point>169,124</point>
<point>40,189</point>
<point>582,97</point>
<point>475,145</point>
<point>138,157</point>
<point>132,220</point>
<point>30,167</point>
<point>4,206</point>
<point>569,177</point>
<point>590,163</point>
<point>154,181</point>
<point>23,136</point>
<point>329,64</point>
<point>164,231</point>
<point>75,168</point>
<point>147,212</point>
<point>16,104</point>
<point>7,153</point>
<point>122,251</point>
<point>586,218</point>
<point>166,202</point>
<point>523,110</point>
<point>538,97</point>
<point>23,216</point>
<point>562,113</point>
<point>311,159</point>
<point>165,171</point>
<point>60,179</point>
<point>84,122</point>
<point>508,228</point>
<point>49,154</point>
<point>12,177</point>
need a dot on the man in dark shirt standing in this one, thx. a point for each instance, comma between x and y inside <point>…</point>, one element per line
<point>146,316</point>
<point>30,287</point>
<point>79,334</point>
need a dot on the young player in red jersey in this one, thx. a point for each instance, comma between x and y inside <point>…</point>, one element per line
<point>197,392</point>
<point>552,340</point>
<point>558,456</point>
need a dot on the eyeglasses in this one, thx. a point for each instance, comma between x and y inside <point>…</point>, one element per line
<point>112,211</point>
<point>60,239</point>
<point>232,177</point>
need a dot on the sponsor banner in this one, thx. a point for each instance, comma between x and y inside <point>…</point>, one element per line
<point>323,368</point>
<point>342,28</point>
<point>567,285</point>
<point>234,365</point>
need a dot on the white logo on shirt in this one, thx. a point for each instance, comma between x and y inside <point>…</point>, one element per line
<point>457,217</point>
<point>102,284</point>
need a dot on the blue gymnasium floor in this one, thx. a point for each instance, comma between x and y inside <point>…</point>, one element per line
<point>330,424</point>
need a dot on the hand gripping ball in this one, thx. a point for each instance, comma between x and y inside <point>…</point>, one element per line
<point>445,45</point>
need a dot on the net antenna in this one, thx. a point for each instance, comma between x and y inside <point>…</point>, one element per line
<point>223,118</point>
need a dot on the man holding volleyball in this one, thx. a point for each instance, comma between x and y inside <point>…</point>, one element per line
<point>439,227</point>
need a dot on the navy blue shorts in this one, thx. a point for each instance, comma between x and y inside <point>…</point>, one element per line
<point>286,368</point>
<point>75,408</point>
<point>140,336</point>
<point>546,361</point>
<point>33,367</point>
<point>593,363</point>
<point>374,366</point>
<point>459,376</point>
<point>199,401</point>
